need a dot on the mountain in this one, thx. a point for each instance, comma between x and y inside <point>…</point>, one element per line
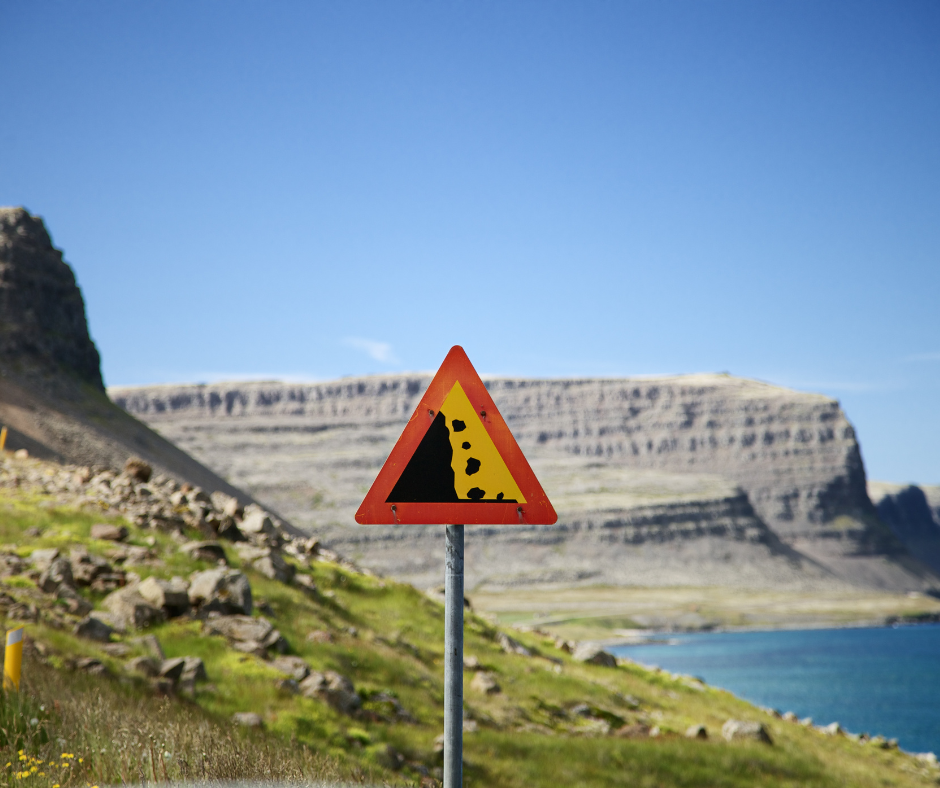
<point>913,513</point>
<point>696,479</point>
<point>52,398</point>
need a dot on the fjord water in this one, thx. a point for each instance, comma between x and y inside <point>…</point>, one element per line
<point>879,680</point>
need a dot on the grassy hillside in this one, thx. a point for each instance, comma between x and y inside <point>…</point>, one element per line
<point>554,721</point>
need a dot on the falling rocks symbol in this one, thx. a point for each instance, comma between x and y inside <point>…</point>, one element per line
<point>429,476</point>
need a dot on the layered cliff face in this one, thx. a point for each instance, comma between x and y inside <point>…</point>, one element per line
<point>313,450</point>
<point>42,314</point>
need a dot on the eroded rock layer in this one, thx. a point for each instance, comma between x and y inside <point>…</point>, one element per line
<point>604,450</point>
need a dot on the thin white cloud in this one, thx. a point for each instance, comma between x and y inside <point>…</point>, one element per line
<point>923,357</point>
<point>379,351</point>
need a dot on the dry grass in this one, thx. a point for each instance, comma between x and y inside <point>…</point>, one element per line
<point>74,730</point>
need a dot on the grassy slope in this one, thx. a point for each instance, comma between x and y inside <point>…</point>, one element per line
<point>525,737</point>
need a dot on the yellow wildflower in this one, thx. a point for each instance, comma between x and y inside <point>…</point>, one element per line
<point>56,785</point>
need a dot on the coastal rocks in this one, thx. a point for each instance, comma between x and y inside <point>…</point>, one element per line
<point>734,730</point>
<point>225,591</point>
<point>594,655</point>
<point>138,470</point>
<point>333,688</point>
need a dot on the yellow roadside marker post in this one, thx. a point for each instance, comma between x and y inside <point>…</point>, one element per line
<point>13,659</point>
<point>3,437</point>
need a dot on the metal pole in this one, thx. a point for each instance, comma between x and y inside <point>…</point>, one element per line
<point>453,657</point>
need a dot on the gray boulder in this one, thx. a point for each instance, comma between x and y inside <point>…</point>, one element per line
<point>194,669</point>
<point>485,683</point>
<point>172,596</point>
<point>59,572</point>
<point>146,666</point>
<point>108,532</point>
<point>248,719</point>
<point>86,568</point>
<point>221,590</point>
<point>239,627</point>
<point>131,610</point>
<point>594,655</point>
<point>266,561</point>
<point>43,557</point>
<point>172,669</point>
<point>257,522</point>
<point>94,629</point>
<point>333,688</point>
<point>210,551</point>
<point>746,729</point>
<point>294,667</point>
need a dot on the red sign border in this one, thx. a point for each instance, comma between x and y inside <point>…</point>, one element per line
<point>537,510</point>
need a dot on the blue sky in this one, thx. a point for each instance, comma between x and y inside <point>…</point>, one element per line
<point>306,190</point>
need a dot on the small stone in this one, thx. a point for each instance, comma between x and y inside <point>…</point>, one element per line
<point>59,572</point>
<point>146,666</point>
<point>74,603</point>
<point>696,732</point>
<point>257,521</point>
<point>239,627</point>
<point>151,645</point>
<point>295,667</point>
<point>194,669</point>
<point>320,636</point>
<point>170,595</point>
<point>94,629</point>
<point>138,470</point>
<point>485,683</point>
<point>833,729</point>
<point>131,609</point>
<point>334,688</point>
<point>471,663</point>
<point>789,716</point>
<point>247,719</point>
<point>745,729</point>
<point>42,558</point>
<point>172,668</point>
<point>108,532</point>
<point>92,666</point>
<point>594,655</point>
<point>306,582</point>
<point>222,590</point>
<point>211,551</point>
<point>118,650</point>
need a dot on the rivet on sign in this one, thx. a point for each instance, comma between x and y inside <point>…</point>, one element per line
<point>430,413</point>
<point>519,512</point>
<point>482,414</point>
<point>395,513</point>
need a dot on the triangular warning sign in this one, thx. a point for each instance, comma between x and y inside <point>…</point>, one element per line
<point>456,461</point>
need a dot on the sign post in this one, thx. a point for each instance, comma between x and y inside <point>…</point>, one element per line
<point>455,463</point>
<point>453,656</point>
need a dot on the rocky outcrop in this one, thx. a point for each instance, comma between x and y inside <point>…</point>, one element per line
<point>698,478</point>
<point>42,314</point>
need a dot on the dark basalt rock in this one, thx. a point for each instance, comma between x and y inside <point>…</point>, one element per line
<point>42,315</point>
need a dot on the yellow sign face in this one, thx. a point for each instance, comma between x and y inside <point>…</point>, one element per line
<point>479,470</point>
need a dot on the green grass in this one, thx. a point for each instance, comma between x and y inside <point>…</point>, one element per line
<point>387,638</point>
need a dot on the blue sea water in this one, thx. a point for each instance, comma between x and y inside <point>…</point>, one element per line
<point>881,681</point>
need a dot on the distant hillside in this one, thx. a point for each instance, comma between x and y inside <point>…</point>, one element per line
<point>688,480</point>
<point>913,513</point>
